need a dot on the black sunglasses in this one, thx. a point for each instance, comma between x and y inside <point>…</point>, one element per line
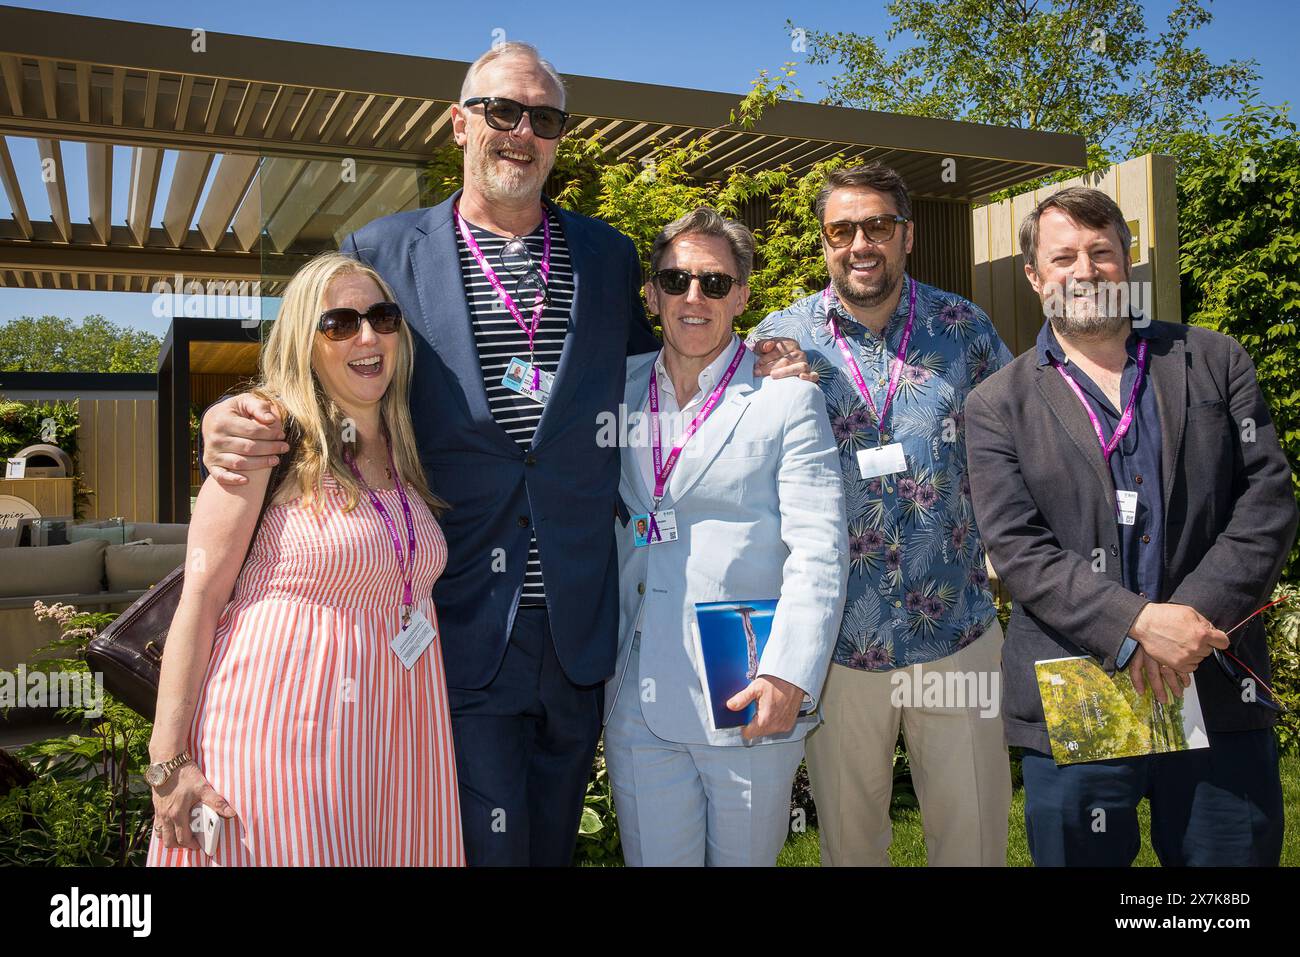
<point>530,284</point>
<point>877,229</point>
<point>547,122</point>
<point>343,323</point>
<point>676,282</point>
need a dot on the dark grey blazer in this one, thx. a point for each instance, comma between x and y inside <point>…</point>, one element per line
<point>1044,503</point>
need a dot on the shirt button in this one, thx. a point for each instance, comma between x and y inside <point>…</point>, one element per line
<point>1114,549</point>
<point>898,604</point>
<point>640,588</point>
<point>532,460</point>
<point>1138,479</point>
<point>523,521</point>
<point>1146,539</point>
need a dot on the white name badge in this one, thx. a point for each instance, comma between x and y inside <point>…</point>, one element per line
<point>519,378</point>
<point>665,522</point>
<point>1128,507</point>
<point>881,460</point>
<point>410,642</point>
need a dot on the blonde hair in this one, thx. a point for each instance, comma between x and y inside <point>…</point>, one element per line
<point>318,432</point>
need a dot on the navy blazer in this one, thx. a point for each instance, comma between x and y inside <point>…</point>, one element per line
<point>564,488</point>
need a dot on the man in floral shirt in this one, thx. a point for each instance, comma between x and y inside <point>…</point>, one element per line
<point>920,644</point>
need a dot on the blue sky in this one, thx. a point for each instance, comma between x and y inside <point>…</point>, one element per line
<point>714,46</point>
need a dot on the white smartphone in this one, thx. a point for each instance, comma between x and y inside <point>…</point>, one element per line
<point>207,823</point>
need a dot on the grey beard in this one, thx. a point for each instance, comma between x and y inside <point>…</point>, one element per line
<point>1089,328</point>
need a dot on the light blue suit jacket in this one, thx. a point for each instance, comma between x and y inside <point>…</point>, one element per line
<point>760,514</point>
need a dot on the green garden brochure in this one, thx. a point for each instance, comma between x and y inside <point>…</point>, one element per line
<point>1093,716</point>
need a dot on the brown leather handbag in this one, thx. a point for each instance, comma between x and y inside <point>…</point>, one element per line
<point>129,651</point>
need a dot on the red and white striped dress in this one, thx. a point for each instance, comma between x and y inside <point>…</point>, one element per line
<point>328,749</point>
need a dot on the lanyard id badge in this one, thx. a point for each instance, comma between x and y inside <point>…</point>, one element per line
<point>654,528</point>
<point>1127,506</point>
<point>529,381</point>
<point>410,643</point>
<point>882,460</point>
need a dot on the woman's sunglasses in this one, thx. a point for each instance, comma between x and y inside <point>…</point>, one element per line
<point>676,282</point>
<point>877,229</point>
<point>343,323</point>
<point>503,114</point>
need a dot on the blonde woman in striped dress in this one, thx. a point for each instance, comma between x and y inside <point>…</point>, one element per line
<point>283,703</point>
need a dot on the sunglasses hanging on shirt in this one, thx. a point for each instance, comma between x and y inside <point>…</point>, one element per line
<point>530,284</point>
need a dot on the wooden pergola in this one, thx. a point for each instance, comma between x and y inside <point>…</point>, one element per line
<point>261,129</point>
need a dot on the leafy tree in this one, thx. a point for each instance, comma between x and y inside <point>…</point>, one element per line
<point>1089,67</point>
<point>1238,206</point>
<point>54,344</point>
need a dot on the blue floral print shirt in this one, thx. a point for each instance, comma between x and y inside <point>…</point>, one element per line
<point>918,589</point>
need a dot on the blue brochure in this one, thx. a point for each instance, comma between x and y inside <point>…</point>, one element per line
<point>731,636</point>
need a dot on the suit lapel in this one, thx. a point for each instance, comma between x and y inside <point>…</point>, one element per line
<point>1074,420</point>
<point>444,312</point>
<point>638,381</point>
<point>714,433</point>
<point>584,260</point>
<point>1167,368</point>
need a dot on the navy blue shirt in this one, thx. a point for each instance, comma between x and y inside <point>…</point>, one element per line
<point>1134,467</point>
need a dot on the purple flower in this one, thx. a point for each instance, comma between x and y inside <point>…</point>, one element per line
<point>893,557</point>
<point>952,315</point>
<point>968,634</point>
<point>874,658</point>
<point>931,607</point>
<point>860,420</point>
<point>872,539</point>
<point>963,484</point>
<point>842,428</point>
<point>978,576</point>
<point>959,533</point>
<point>912,601</point>
<point>915,375</point>
<point>927,495</point>
<point>907,488</point>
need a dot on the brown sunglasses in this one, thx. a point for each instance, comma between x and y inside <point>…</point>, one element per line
<point>342,323</point>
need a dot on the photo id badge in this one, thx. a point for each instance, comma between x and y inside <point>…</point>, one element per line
<point>665,529</point>
<point>413,639</point>
<point>519,378</point>
<point>882,460</point>
<point>1128,506</point>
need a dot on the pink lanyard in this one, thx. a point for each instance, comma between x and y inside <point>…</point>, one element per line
<point>1125,420</point>
<point>828,296</point>
<point>530,329</point>
<point>405,568</point>
<point>664,468</point>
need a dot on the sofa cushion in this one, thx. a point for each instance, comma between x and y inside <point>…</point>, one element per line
<point>140,566</point>
<point>162,533</point>
<point>111,533</point>
<point>75,569</point>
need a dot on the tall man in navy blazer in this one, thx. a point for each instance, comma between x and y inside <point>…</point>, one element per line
<point>528,603</point>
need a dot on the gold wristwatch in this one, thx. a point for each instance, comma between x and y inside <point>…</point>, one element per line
<point>156,775</point>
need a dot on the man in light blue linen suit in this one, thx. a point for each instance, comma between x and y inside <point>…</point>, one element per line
<point>750,508</point>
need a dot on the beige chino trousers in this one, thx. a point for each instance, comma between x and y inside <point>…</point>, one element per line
<point>957,753</point>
